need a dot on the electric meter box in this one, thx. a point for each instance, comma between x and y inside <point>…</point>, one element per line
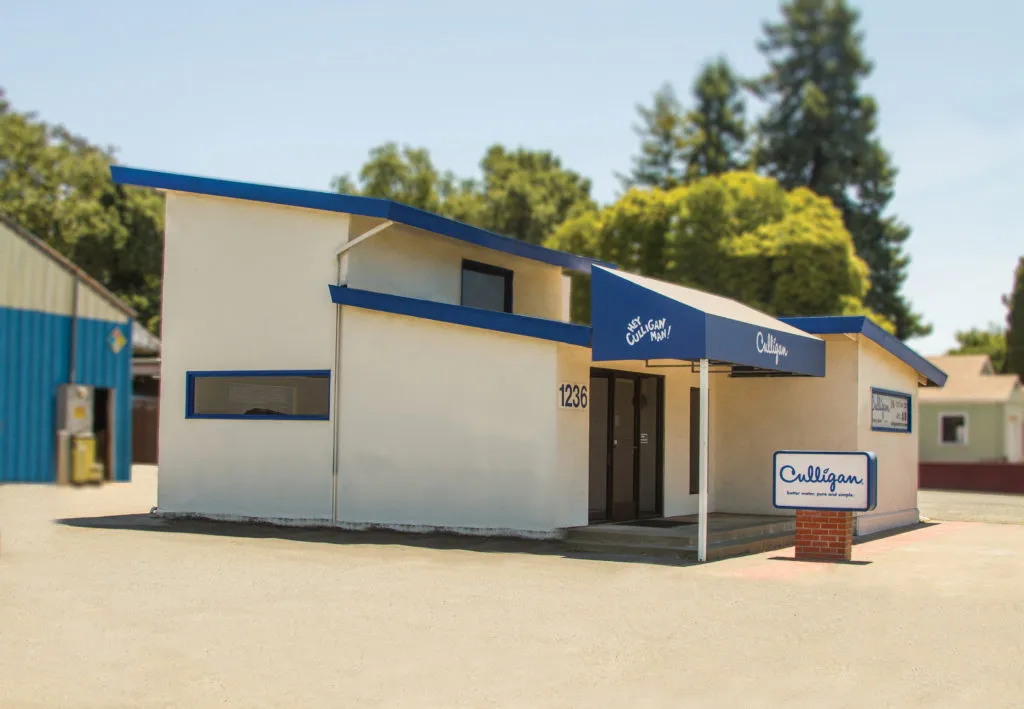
<point>74,409</point>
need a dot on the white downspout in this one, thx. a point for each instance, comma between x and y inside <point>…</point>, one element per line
<point>702,511</point>
<point>341,255</point>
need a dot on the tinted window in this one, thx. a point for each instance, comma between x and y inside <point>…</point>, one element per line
<point>487,287</point>
<point>954,429</point>
<point>285,395</point>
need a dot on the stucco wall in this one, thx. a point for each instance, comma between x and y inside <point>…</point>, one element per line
<point>754,417</point>
<point>447,426</point>
<point>417,264</point>
<point>897,452</point>
<point>245,287</point>
<point>573,470</point>
<point>986,431</point>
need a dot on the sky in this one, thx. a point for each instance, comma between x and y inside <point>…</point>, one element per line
<point>294,93</point>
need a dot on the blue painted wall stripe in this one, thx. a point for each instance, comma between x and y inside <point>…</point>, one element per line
<point>34,351</point>
<point>509,323</point>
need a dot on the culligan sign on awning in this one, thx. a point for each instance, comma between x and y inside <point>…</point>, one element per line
<point>825,480</point>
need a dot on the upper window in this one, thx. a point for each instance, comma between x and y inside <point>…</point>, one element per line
<point>487,287</point>
<point>302,395</point>
<point>953,429</point>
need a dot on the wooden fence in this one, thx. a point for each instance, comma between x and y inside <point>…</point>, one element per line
<point>976,477</point>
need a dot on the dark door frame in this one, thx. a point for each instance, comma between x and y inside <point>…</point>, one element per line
<point>659,470</point>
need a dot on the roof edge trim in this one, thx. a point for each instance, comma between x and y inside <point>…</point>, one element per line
<point>352,204</point>
<point>862,325</point>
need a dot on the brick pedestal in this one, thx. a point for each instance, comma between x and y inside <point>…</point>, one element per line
<point>823,535</point>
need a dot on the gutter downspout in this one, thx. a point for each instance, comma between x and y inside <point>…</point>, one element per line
<point>341,254</point>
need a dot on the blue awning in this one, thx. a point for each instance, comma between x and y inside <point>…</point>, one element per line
<point>638,318</point>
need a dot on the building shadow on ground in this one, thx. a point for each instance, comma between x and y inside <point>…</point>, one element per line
<point>367,537</point>
<point>383,537</point>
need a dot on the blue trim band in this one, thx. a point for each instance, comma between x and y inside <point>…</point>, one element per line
<point>192,375</point>
<point>351,204</point>
<point>860,325</point>
<point>509,323</point>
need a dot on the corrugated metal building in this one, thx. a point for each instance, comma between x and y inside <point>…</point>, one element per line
<point>58,326</point>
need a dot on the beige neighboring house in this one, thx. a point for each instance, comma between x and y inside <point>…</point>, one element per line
<point>978,416</point>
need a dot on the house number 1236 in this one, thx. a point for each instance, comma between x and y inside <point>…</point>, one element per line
<point>572,396</point>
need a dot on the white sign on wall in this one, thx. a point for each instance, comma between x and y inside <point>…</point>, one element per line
<point>573,396</point>
<point>890,411</point>
<point>822,480</point>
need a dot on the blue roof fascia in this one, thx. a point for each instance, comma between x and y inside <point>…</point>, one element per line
<point>509,323</point>
<point>861,325</point>
<point>351,204</point>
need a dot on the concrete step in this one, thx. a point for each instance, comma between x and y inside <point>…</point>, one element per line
<point>603,548</point>
<point>671,537</point>
<point>608,534</point>
<point>786,526</point>
<point>757,545</point>
<point>682,548</point>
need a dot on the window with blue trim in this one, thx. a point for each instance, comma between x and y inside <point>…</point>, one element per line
<point>280,395</point>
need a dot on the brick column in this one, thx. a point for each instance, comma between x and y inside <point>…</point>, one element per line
<point>824,535</point>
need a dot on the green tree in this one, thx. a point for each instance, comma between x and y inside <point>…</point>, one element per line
<point>527,193</point>
<point>819,131</point>
<point>662,160</point>
<point>404,174</point>
<point>991,342</point>
<point>715,131</point>
<point>57,185</point>
<point>737,234</point>
<point>1015,323</point>
<point>521,193</point>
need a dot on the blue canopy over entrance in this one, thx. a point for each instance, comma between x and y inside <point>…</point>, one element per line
<point>638,318</point>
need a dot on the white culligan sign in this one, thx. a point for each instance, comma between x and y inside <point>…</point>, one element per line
<point>813,480</point>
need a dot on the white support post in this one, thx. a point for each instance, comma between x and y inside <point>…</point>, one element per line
<point>702,497</point>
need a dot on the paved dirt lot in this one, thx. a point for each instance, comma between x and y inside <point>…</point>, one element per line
<point>114,609</point>
<point>971,506</point>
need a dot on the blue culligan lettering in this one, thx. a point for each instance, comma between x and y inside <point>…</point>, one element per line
<point>816,476</point>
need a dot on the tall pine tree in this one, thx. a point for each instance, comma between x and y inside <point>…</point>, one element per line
<point>716,128</point>
<point>819,131</point>
<point>1015,324</point>
<point>661,162</point>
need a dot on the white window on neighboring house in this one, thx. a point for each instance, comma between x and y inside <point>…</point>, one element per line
<point>953,429</point>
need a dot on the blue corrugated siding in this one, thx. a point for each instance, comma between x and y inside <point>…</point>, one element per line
<point>34,352</point>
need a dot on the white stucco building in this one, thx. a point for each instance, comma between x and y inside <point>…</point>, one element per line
<point>339,360</point>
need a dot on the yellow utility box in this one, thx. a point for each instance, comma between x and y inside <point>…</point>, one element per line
<point>98,473</point>
<point>83,458</point>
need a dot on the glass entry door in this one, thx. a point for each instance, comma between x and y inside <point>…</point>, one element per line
<point>625,445</point>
